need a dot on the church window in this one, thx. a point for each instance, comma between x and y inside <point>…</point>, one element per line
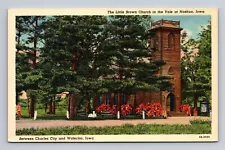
<point>156,42</point>
<point>170,71</point>
<point>115,98</point>
<point>107,98</point>
<point>171,40</point>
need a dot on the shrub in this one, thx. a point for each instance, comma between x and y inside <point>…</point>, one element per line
<point>140,109</point>
<point>103,108</point>
<point>151,110</point>
<point>186,109</point>
<point>126,109</point>
<point>113,110</point>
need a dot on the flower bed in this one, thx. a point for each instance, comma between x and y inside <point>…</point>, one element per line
<point>125,109</point>
<point>185,108</point>
<point>107,112</point>
<point>151,110</point>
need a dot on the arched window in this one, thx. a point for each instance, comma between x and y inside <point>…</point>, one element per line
<point>171,40</point>
<point>115,98</point>
<point>124,98</point>
<point>156,42</point>
<point>170,71</point>
<point>100,100</point>
<point>107,98</point>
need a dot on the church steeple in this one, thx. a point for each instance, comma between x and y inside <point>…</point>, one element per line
<point>166,45</point>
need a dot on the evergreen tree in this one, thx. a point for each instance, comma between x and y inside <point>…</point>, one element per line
<point>31,27</point>
<point>87,56</point>
<point>196,73</point>
<point>126,57</point>
<point>21,57</point>
<point>70,44</point>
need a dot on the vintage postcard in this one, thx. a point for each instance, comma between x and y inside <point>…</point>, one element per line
<point>113,75</point>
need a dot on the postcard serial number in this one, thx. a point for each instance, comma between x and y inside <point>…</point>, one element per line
<point>204,136</point>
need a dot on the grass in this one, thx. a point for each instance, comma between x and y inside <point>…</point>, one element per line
<point>200,121</point>
<point>196,127</point>
<point>60,114</point>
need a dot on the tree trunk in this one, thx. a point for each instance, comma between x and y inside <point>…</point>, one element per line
<point>71,106</point>
<point>50,107</point>
<point>32,106</point>
<point>95,103</point>
<point>135,102</point>
<point>87,106</point>
<point>35,45</point>
<point>28,105</point>
<point>195,110</point>
<point>46,107</point>
<point>53,107</point>
<point>119,103</point>
<point>75,110</point>
<point>32,100</point>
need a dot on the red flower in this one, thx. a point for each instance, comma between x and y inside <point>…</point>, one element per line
<point>150,113</point>
<point>150,109</point>
<point>113,110</point>
<point>185,108</point>
<point>126,109</point>
<point>103,108</point>
<point>140,108</point>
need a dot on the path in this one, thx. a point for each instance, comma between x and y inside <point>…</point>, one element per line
<point>99,123</point>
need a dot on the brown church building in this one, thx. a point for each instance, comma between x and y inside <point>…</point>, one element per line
<point>166,43</point>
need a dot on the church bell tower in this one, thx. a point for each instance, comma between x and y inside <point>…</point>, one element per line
<point>166,44</point>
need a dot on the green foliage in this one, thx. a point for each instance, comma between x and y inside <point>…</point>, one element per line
<point>118,130</point>
<point>29,30</point>
<point>70,42</point>
<point>85,55</point>
<point>126,56</point>
<point>200,121</point>
<point>196,70</point>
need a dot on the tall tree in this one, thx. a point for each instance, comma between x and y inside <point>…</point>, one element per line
<point>196,72</point>
<point>21,57</point>
<point>70,44</point>
<point>126,57</point>
<point>31,27</point>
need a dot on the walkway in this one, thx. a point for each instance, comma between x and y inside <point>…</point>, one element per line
<point>99,123</point>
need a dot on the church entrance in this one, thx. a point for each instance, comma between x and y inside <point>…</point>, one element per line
<point>170,102</point>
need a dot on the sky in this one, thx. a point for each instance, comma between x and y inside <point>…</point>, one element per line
<point>191,24</point>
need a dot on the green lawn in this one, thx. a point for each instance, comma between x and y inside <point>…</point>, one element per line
<point>42,115</point>
<point>196,127</point>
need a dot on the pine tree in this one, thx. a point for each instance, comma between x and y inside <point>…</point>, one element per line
<point>21,57</point>
<point>70,45</point>
<point>125,58</point>
<point>31,27</point>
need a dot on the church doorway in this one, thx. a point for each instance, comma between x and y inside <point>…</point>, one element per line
<point>170,102</point>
